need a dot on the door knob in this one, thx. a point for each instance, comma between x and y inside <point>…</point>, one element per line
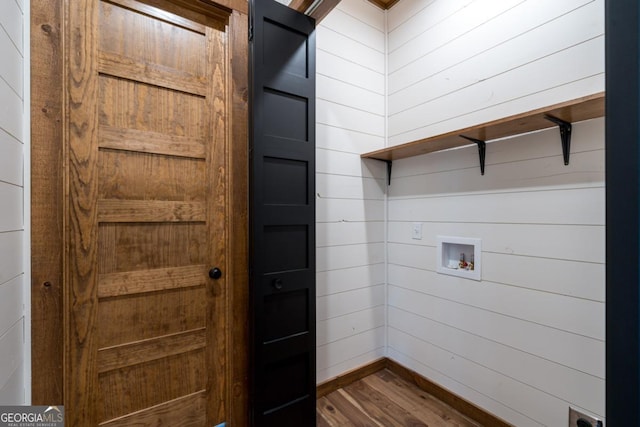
<point>215,273</point>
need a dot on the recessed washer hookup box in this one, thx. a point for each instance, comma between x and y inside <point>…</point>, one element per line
<point>459,256</point>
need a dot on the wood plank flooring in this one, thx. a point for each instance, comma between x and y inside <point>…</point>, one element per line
<point>383,399</point>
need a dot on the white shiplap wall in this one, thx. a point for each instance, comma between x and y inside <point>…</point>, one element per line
<point>350,119</point>
<point>527,341</point>
<point>12,297</point>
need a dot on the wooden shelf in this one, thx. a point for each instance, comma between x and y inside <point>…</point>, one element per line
<point>588,107</point>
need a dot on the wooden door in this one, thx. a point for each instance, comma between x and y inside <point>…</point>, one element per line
<point>147,106</point>
<point>283,216</point>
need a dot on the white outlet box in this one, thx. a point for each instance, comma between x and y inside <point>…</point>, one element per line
<point>579,419</point>
<point>449,251</point>
<point>416,231</point>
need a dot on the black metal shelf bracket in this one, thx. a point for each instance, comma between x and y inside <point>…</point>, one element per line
<point>389,164</point>
<point>482,150</point>
<point>565,135</point>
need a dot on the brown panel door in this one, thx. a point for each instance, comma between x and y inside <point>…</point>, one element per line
<point>147,107</point>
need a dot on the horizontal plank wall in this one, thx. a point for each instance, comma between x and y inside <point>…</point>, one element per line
<point>12,318</point>
<point>350,212</point>
<point>527,341</point>
<point>462,62</point>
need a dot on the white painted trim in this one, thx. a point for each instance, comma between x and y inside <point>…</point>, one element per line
<point>27,198</point>
<point>388,182</point>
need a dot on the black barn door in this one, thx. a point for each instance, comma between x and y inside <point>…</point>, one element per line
<point>282,201</point>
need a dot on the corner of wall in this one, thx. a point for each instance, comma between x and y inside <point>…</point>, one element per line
<point>386,193</point>
<point>27,198</point>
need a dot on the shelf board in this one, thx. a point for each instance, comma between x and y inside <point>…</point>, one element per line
<point>577,110</point>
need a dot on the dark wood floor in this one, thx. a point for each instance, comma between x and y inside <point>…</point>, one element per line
<point>386,400</point>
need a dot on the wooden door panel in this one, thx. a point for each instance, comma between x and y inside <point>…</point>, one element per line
<point>187,411</point>
<point>127,68</point>
<point>138,282</point>
<point>143,385</point>
<point>110,210</point>
<point>125,104</point>
<point>143,351</point>
<point>167,29</point>
<point>140,176</point>
<point>141,141</point>
<point>159,211</point>
<point>145,316</point>
<point>131,247</point>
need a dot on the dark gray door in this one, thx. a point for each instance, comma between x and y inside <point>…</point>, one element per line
<point>282,209</point>
<point>622,167</point>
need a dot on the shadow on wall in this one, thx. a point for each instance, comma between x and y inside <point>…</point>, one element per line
<point>377,169</point>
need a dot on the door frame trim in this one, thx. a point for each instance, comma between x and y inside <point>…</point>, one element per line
<point>48,204</point>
